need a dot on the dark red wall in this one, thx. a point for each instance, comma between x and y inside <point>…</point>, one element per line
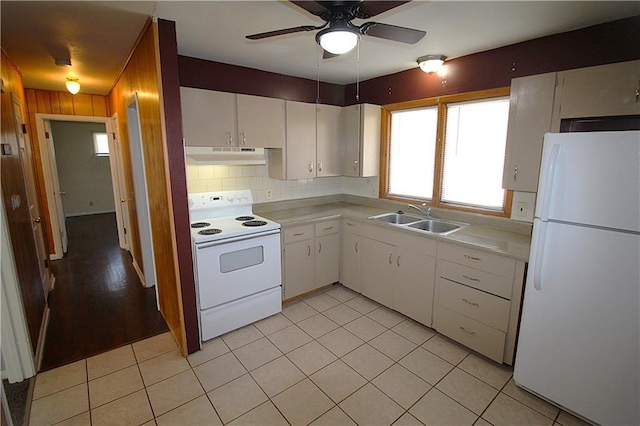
<point>616,41</point>
<point>203,74</point>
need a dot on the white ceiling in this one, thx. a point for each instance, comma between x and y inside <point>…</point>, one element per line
<point>98,35</point>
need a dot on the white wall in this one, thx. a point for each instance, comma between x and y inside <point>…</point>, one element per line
<point>208,178</point>
<point>85,177</point>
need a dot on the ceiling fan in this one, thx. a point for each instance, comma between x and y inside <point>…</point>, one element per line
<point>342,35</point>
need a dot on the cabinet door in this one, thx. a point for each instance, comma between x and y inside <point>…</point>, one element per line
<point>351,140</point>
<point>413,285</point>
<point>370,140</point>
<point>301,140</point>
<point>377,271</point>
<point>298,268</point>
<point>260,121</point>
<point>530,111</point>
<point>600,91</point>
<point>208,117</point>
<point>351,248</point>
<point>327,260</point>
<point>328,141</point>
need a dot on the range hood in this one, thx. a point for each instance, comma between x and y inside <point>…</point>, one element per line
<point>225,155</point>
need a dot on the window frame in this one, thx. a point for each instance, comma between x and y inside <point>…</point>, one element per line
<point>97,153</point>
<point>441,102</point>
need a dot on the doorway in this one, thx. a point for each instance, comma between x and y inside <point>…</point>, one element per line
<point>98,302</point>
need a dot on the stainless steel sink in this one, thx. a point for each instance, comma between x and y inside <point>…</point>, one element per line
<point>436,226</point>
<point>397,218</point>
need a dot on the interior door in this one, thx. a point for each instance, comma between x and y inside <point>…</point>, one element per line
<point>57,192</point>
<point>26,156</point>
<point>120,192</point>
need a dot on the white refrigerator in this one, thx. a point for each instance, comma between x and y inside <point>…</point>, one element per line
<point>579,340</point>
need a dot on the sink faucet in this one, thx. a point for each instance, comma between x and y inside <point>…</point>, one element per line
<point>426,212</point>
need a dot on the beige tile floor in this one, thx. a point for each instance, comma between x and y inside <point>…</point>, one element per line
<point>334,358</point>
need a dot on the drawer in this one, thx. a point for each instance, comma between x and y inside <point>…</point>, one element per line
<point>484,261</point>
<point>475,304</point>
<point>298,233</point>
<point>476,278</point>
<point>328,227</point>
<point>477,336</point>
<point>352,226</point>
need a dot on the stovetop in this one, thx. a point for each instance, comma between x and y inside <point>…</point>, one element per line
<point>225,214</point>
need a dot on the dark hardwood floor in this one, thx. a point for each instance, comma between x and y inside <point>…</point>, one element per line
<point>98,302</point>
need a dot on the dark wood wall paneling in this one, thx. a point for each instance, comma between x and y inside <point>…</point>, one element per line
<point>169,70</point>
<point>616,41</point>
<point>204,74</point>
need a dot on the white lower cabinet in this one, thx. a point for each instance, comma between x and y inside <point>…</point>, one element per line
<point>477,300</point>
<point>311,257</point>
<point>351,253</point>
<point>398,271</point>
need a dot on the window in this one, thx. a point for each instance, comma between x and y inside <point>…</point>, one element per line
<point>101,144</point>
<point>449,151</point>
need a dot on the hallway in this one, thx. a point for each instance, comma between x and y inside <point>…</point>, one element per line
<point>98,303</point>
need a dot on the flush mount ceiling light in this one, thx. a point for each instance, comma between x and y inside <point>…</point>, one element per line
<point>431,63</point>
<point>337,41</point>
<point>72,85</point>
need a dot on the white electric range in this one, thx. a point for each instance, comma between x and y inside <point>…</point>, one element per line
<point>237,261</point>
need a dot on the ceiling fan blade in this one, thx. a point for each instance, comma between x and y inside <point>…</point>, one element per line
<point>367,9</point>
<point>392,32</point>
<point>310,6</point>
<point>282,32</point>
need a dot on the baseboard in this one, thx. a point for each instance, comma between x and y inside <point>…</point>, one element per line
<point>89,213</point>
<point>139,272</point>
<point>42,338</point>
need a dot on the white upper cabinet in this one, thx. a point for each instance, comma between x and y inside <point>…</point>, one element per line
<point>260,121</point>
<point>361,140</point>
<point>604,90</point>
<point>208,117</point>
<point>530,112</point>
<point>328,141</point>
<point>300,146</point>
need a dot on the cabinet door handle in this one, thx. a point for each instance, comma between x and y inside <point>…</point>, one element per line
<point>469,332</point>
<point>471,257</point>
<point>319,166</point>
<point>229,138</point>
<point>356,246</point>
<point>470,303</point>
<point>390,256</point>
<point>244,139</point>
<point>637,94</point>
<point>398,261</point>
<point>297,234</point>
<point>515,173</point>
<point>37,220</point>
<point>310,166</point>
<point>355,166</point>
<point>328,228</point>
<point>319,247</point>
<point>350,224</point>
<point>467,277</point>
<point>308,250</point>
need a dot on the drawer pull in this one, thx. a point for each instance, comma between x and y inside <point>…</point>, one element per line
<point>469,332</point>
<point>469,303</point>
<point>471,257</point>
<point>297,234</point>
<point>466,277</point>
<point>327,229</point>
<point>390,256</point>
<point>350,224</point>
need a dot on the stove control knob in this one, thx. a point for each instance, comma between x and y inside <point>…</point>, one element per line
<point>238,197</point>
<point>245,196</point>
<point>229,198</point>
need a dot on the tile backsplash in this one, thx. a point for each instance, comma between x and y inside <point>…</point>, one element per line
<point>208,178</point>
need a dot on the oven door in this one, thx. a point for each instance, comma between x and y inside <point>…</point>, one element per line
<point>231,269</point>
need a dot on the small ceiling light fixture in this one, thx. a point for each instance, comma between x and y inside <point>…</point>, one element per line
<point>337,41</point>
<point>72,85</point>
<point>431,63</point>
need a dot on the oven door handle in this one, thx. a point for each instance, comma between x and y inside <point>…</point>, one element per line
<point>236,239</point>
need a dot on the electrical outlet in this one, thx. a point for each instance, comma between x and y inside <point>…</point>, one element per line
<point>521,209</point>
<point>269,194</point>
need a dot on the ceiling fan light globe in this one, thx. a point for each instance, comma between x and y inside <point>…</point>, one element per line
<point>72,86</point>
<point>338,42</point>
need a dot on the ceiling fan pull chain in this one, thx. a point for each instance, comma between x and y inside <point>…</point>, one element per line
<point>358,73</point>
<point>318,51</point>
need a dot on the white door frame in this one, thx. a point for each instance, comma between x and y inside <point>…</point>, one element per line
<point>49,167</point>
<point>119,186</point>
<point>148,278</point>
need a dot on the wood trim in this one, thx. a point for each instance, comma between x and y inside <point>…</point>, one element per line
<point>143,31</point>
<point>441,102</point>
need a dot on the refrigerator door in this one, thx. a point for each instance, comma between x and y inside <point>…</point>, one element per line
<point>592,179</point>
<point>579,341</point>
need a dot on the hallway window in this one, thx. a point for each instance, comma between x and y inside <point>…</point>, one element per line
<point>101,144</point>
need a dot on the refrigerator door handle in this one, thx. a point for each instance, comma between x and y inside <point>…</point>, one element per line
<point>539,251</point>
<point>548,183</point>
